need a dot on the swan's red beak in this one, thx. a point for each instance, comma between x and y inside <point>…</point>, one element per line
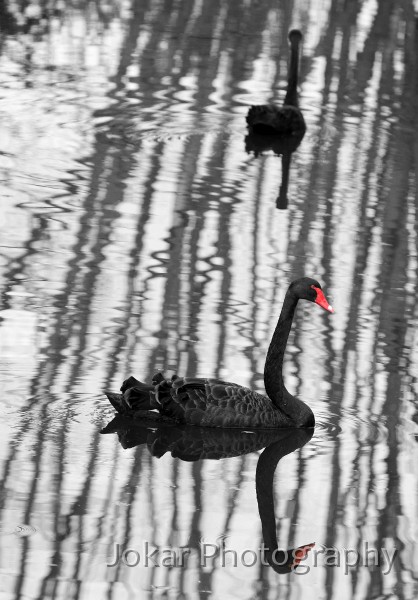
<point>321,300</point>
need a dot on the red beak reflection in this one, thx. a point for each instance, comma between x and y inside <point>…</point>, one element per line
<point>300,553</point>
<point>321,300</point>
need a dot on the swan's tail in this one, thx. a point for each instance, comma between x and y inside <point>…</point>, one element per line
<point>135,396</point>
<point>115,400</point>
<point>262,119</point>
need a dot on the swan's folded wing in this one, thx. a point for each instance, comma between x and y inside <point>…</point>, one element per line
<point>181,383</point>
<point>210,401</point>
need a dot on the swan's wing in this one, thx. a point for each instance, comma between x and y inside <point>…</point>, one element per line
<point>198,401</point>
<point>181,383</point>
<point>210,402</point>
<point>216,392</point>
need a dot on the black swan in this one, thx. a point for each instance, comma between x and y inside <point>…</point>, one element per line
<point>282,561</point>
<point>268,119</point>
<point>217,403</point>
<point>191,444</point>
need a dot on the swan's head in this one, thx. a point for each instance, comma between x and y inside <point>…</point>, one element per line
<point>295,35</point>
<point>309,289</point>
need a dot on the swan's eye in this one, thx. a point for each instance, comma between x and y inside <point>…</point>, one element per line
<point>314,289</point>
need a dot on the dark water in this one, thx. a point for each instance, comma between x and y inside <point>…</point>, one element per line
<point>137,234</point>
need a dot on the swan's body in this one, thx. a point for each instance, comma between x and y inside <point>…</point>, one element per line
<point>217,403</point>
<point>201,401</point>
<point>287,120</point>
<point>268,119</point>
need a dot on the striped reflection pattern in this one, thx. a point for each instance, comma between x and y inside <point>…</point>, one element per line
<point>138,235</point>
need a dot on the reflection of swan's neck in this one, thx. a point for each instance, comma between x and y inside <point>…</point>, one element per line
<point>273,378</point>
<point>266,467</point>
<point>265,499</point>
<point>282,199</point>
<point>292,82</point>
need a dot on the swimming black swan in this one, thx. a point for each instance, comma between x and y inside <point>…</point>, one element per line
<point>216,403</point>
<point>282,561</point>
<point>268,119</point>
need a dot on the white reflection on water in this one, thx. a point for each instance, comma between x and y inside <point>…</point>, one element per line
<point>138,235</point>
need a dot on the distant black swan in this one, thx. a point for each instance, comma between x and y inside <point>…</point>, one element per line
<point>216,403</point>
<point>268,119</point>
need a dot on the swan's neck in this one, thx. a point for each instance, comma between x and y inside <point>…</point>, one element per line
<point>292,82</point>
<point>299,414</point>
<point>273,378</point>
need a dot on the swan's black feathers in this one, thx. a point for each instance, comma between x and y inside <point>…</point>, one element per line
<point>269,119</point>
<point>198,401</point>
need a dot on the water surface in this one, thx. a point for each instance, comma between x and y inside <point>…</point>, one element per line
<point>137,234</point>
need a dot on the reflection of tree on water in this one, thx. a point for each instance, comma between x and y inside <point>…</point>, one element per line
<point>191,444</point>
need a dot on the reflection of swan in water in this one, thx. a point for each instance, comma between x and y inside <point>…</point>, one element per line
<point>190,443</point>
<point>216,403</point>
<point>282,561</point>
<point>279,145</point>
<point>280,129</point>
<point>197,443</point>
